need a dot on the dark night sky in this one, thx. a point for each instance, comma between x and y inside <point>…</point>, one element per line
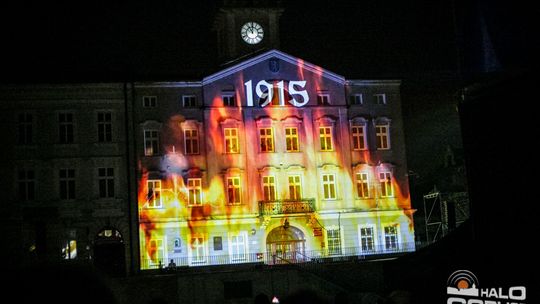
<point>171,39</point>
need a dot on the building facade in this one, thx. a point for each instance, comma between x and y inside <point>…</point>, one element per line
<point>271,160</point>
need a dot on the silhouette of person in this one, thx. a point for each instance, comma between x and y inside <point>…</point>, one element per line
<point>172,264</point>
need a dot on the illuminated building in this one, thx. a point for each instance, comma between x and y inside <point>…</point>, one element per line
<point>270,160</point>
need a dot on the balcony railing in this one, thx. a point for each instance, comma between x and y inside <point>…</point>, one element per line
<point>287,206</point>
<point>277,258</point>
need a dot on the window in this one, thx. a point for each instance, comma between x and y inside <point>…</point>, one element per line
<point>391,237</point>
<point>359,137</point>
<point>229,100</point>
<point>325,136</point>
<point>194,191</point>
<point>379,99</point>
<point>106,182</point>
<point>69,249</point>
<point>154,193</point>
<point>269,188</point>
<point>356,99</point>
<point>189,101</point>
<point>218,243</point>
<point>367,239</point>
<point>238,246</point>
<point>329,186</point>
<point>156,251</point>
<point>233,190</point>
<point>104,122</point>
<point>151,142</point>
<point>323,99</point>
<point>334,241</point>
<point>191,138</point>
<point>198,249</point>
<point>295,187</point>
<point>26,182</point>
<point>383,138</point>
<point>362,188</point>
<point>177,245</point>
<point>385,178</point>
<point>25,124</point>
<point>266,140</point>
<point>149,101</point>
<point>291,138</point>
<point>67,184</point>
<point>65,128</point>
<point>231,140</point>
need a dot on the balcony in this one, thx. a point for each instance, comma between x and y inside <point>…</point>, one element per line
<point>287,206</point>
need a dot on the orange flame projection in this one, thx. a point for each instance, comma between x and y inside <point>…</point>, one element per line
<point>175,215</point>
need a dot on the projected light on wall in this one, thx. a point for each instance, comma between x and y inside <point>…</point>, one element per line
<point>274,168</point>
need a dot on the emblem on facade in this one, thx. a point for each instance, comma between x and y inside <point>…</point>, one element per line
<point>273,65</point>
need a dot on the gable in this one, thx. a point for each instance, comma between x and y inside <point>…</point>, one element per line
<point>272,64</point>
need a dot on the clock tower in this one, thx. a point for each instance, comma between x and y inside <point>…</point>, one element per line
<point>247,26</point>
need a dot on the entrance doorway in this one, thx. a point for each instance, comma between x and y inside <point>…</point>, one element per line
<point>109,252</point>
<point>286,244</point>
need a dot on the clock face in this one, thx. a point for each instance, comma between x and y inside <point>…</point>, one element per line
<point>252,32</point>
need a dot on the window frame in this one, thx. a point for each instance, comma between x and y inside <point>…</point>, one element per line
<point>153,205</point>
<point>296,186</point>
<point>149,101</point>
<point>196,190</point>
<point>330,185</point>
<point>191,98</point>
<point>386,184</point>
<point>364,184</point>
<point>382,137</point>
<point>104,126</point>
<point>359,137</point>
<point>67,182</point>
<point>191,141</point>
<point>266,140</point>
<point>373,238</point>
<point>66,128</point>
<point>236,188</point>
<point>231,139</point>
<point>151,142</point>
<point>326,138</point>
<point>106,182</point>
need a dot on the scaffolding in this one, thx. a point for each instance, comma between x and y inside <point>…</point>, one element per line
<point>444,212</point>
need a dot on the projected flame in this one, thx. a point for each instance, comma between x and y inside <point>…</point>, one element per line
<point>226,199</point>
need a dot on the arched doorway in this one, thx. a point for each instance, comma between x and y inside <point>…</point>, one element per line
<point>286,244</point>
<point>109,254</point>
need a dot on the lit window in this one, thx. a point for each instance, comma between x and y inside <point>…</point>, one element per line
<point>156,252</point>
<point>383,136</point>
<point>238,246</point>
<point>65,128</point>
<point>379,99</point>
<point>229,100</point>
<point>231,140</point>
<point>295,187</point>
<point>106,182</point>
<point>362,188</point>
<point>69,250</point>
<point>233,190</point>
<point>104,123</point>
<point>359,137</point>
<point>149,101</point>
<point>25,127</point>
<point>323,99</point>
<point>356,99</point>
<point>189,101</point>
<point>269,188</point>
<point>385,179</point>
<point>367,239</point>
<point>26,182</point>
<point>266,140</point>
<point>191,138</point>
<point>334,241</point>
<point>154,193</point>
<point>391,241</point>
<point>329,186</point>
<point>325,137</point>
<point>198,249</point>
<point>291,138</point>
<point>151,142</point>
<point>194,191</point>
<point>67,184</point>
